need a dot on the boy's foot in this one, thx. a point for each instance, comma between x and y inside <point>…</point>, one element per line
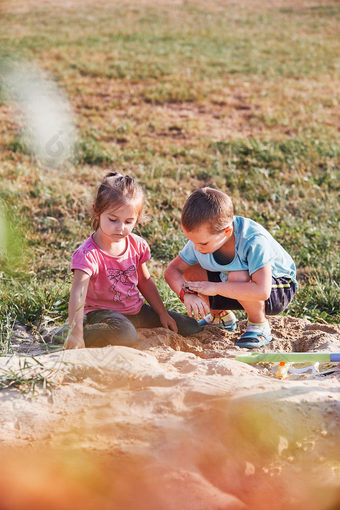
<point>256,335</point>
<point>227,321</point>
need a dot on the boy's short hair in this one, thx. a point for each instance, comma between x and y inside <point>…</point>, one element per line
<point>207,205</point>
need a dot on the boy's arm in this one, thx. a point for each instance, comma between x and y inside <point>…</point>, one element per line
<point>174,277</point>
<point>76,304</point>
<point>147,287</point>
<point>258,288</point>
<point>174,274</point>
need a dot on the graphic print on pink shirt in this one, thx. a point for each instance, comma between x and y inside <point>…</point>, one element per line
<point>120,276</point>
<point>113,281</point>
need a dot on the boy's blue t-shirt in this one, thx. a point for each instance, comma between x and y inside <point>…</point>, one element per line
<point>255,247</point>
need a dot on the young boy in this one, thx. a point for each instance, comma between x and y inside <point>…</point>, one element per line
<point>230,263</point>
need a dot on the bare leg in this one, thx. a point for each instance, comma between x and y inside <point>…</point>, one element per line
<point>259,333</point>
<point>255,310</point>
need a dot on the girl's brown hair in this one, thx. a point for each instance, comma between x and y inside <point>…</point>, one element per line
<point>117,190</point>
<point>207,205</point>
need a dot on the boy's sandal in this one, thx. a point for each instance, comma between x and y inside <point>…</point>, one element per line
<point>251,339</point>
<point>220,321</point>
<point>227,325</point>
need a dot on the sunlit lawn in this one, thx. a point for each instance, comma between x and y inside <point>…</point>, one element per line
<point>180,95</point>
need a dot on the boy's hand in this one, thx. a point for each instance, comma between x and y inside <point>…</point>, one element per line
<point>168,322</point>
<point>206,288</point>
<point>195,306</point>
<point>75,342</point>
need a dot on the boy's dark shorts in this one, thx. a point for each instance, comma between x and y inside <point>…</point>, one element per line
<point>283,291</point>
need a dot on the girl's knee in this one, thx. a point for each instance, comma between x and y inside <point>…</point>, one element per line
<point>128,335</point>
<point>116,330</point>
<point>190,327</point>
<point>187,326</point>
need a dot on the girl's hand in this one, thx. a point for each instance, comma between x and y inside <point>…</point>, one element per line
<point>168,322</point>
<point>75,342</point>
<point>195,305</point>
<point>206,288</point>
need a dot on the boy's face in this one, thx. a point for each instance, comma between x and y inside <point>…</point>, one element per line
<point>204,240</point>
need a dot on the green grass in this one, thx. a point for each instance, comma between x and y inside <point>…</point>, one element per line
<point>150,42</point>
<point>6,327</point>
<point>180,96</point>
<point>90,152</point>
<point>30,375</point>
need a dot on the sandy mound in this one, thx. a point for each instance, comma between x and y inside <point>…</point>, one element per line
<point>175,423</point>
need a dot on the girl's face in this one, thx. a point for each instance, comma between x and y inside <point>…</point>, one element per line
<point>117,223</point>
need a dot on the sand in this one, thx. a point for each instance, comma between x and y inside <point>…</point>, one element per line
<point>173,423</point>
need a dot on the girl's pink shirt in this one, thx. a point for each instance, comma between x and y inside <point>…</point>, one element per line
<point>113,280</point>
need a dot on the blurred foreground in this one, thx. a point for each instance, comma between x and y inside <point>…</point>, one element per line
<point>175,423</point>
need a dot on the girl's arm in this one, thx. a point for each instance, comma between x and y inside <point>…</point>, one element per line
<point>147,287</point>
<point>258,288</point>
<point>76,304</point>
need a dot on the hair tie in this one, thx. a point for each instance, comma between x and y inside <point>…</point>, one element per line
<point>113,174</point>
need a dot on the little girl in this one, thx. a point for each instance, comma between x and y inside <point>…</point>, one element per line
<point>110,272</point>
